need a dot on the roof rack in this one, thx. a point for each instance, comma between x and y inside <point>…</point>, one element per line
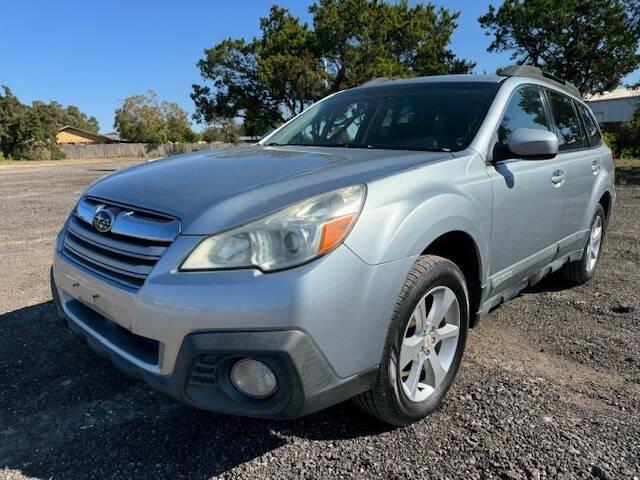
<point>536,72</point>
<point>375,80</point>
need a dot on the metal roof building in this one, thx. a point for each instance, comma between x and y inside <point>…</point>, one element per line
<point>614,107</point>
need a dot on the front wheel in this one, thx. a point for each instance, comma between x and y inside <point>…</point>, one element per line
<point>424,345</point>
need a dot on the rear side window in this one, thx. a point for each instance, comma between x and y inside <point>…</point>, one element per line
<point>570,134</point>
<point>524,110</point>
<point>593,132</point>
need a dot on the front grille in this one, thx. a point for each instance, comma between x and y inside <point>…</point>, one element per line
<point>128,251</point>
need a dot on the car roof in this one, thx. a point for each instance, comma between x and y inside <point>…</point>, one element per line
<point>379,82</point>
<point>513,71</point>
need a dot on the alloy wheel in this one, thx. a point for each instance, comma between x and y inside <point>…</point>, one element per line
<point>429,343</point>
<point>595,240</point>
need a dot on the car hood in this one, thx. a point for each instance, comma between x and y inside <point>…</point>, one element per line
<point>214,190</point>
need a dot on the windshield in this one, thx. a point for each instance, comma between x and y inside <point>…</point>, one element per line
<point>440,116</point>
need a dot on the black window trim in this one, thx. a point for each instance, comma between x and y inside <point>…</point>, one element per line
<point>580,121</point>
<point>494,138</point>
<point>580,107</point>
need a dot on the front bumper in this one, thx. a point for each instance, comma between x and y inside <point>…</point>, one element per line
<point>321,327</point>
<point>306,383</point>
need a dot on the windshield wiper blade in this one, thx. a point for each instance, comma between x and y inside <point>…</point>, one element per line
<point>326,145</point>
<point>360,145</point>
<point>342,145</point>
<point>412,149</point>
<point>333,145</point>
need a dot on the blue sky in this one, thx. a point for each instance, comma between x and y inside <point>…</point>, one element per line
<point>78,53</point>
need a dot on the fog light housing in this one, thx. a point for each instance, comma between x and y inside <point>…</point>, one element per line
<point>253,378</point>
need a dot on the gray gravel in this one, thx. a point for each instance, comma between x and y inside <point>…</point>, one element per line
<point>549,387</point>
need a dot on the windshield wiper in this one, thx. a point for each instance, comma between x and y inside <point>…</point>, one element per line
<point>348,145</point>
<point>328,145</point>
<point>412,149</point>
<point>360,145</point>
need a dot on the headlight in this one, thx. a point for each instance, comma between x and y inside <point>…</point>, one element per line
<point>289,237</point>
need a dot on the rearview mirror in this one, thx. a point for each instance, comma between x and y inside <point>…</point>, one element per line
<point>532,144</point>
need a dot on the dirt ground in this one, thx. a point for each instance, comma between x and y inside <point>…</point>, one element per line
<point>549,386</point>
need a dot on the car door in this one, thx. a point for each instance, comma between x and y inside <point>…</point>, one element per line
<point>527,196</point>
<point>579,164</point>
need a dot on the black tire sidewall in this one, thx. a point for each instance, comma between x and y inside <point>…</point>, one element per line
<point>444,274</point>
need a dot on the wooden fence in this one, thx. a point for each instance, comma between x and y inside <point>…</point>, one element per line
<point>133,150</point>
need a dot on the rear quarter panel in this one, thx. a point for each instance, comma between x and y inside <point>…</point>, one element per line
<point>605,182</point>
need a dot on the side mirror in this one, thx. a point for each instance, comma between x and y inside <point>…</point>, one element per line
<point>532,144</point>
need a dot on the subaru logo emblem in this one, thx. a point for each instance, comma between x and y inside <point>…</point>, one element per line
<point>103,220</point>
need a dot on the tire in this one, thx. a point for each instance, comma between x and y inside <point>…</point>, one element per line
<point>391,398</point>
<point>583,270</point>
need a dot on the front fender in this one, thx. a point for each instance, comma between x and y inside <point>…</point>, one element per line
<point>405,213</point>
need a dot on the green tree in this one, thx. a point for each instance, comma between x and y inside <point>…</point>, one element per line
<point>227,131</point>
<point>628,139</point>
<point>27,132</point>
<point>591,43</point>
<point>143,118</point>
<point>363,39</point>
<point>140,119</point>
<point>13,123</point>
<point>177,123</point>
<point>269,79</point>
<point>262,82</point>
<point>71,115</point>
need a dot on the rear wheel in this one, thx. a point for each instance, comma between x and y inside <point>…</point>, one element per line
<point>424,344</point>
<point>583,270</point>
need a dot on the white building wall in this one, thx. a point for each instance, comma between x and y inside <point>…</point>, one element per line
<point>616,110</point>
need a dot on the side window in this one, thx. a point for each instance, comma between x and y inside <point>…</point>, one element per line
<point>524,110</point>
<point>571,136</point>
<point>593,132</point>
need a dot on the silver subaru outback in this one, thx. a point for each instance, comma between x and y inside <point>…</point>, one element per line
<point>347,254</point>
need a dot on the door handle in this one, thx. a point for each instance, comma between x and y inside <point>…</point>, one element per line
<point>557,178</point>
<point>595,167</point>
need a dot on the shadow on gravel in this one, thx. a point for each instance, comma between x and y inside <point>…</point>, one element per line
<point>66,413</point>
<point>550,283</point>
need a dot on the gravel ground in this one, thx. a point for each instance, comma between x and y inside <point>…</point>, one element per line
<point>549,387</point>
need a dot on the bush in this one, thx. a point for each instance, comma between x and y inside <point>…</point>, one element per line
<point>39,153</point>
<point>630,152</point>
<point>628,141</point>
<point>226,131</point>
<point>611,139</point>
<point>57,154</point>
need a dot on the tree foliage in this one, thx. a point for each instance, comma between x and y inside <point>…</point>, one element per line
<point>143,118</point>
<point>227,131</point>
<point>628,138</point>
<point>364,39</point>
<point>274,76</point>
<point>62,116</point>
<point>591,43</point>
<point>29,132</point>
